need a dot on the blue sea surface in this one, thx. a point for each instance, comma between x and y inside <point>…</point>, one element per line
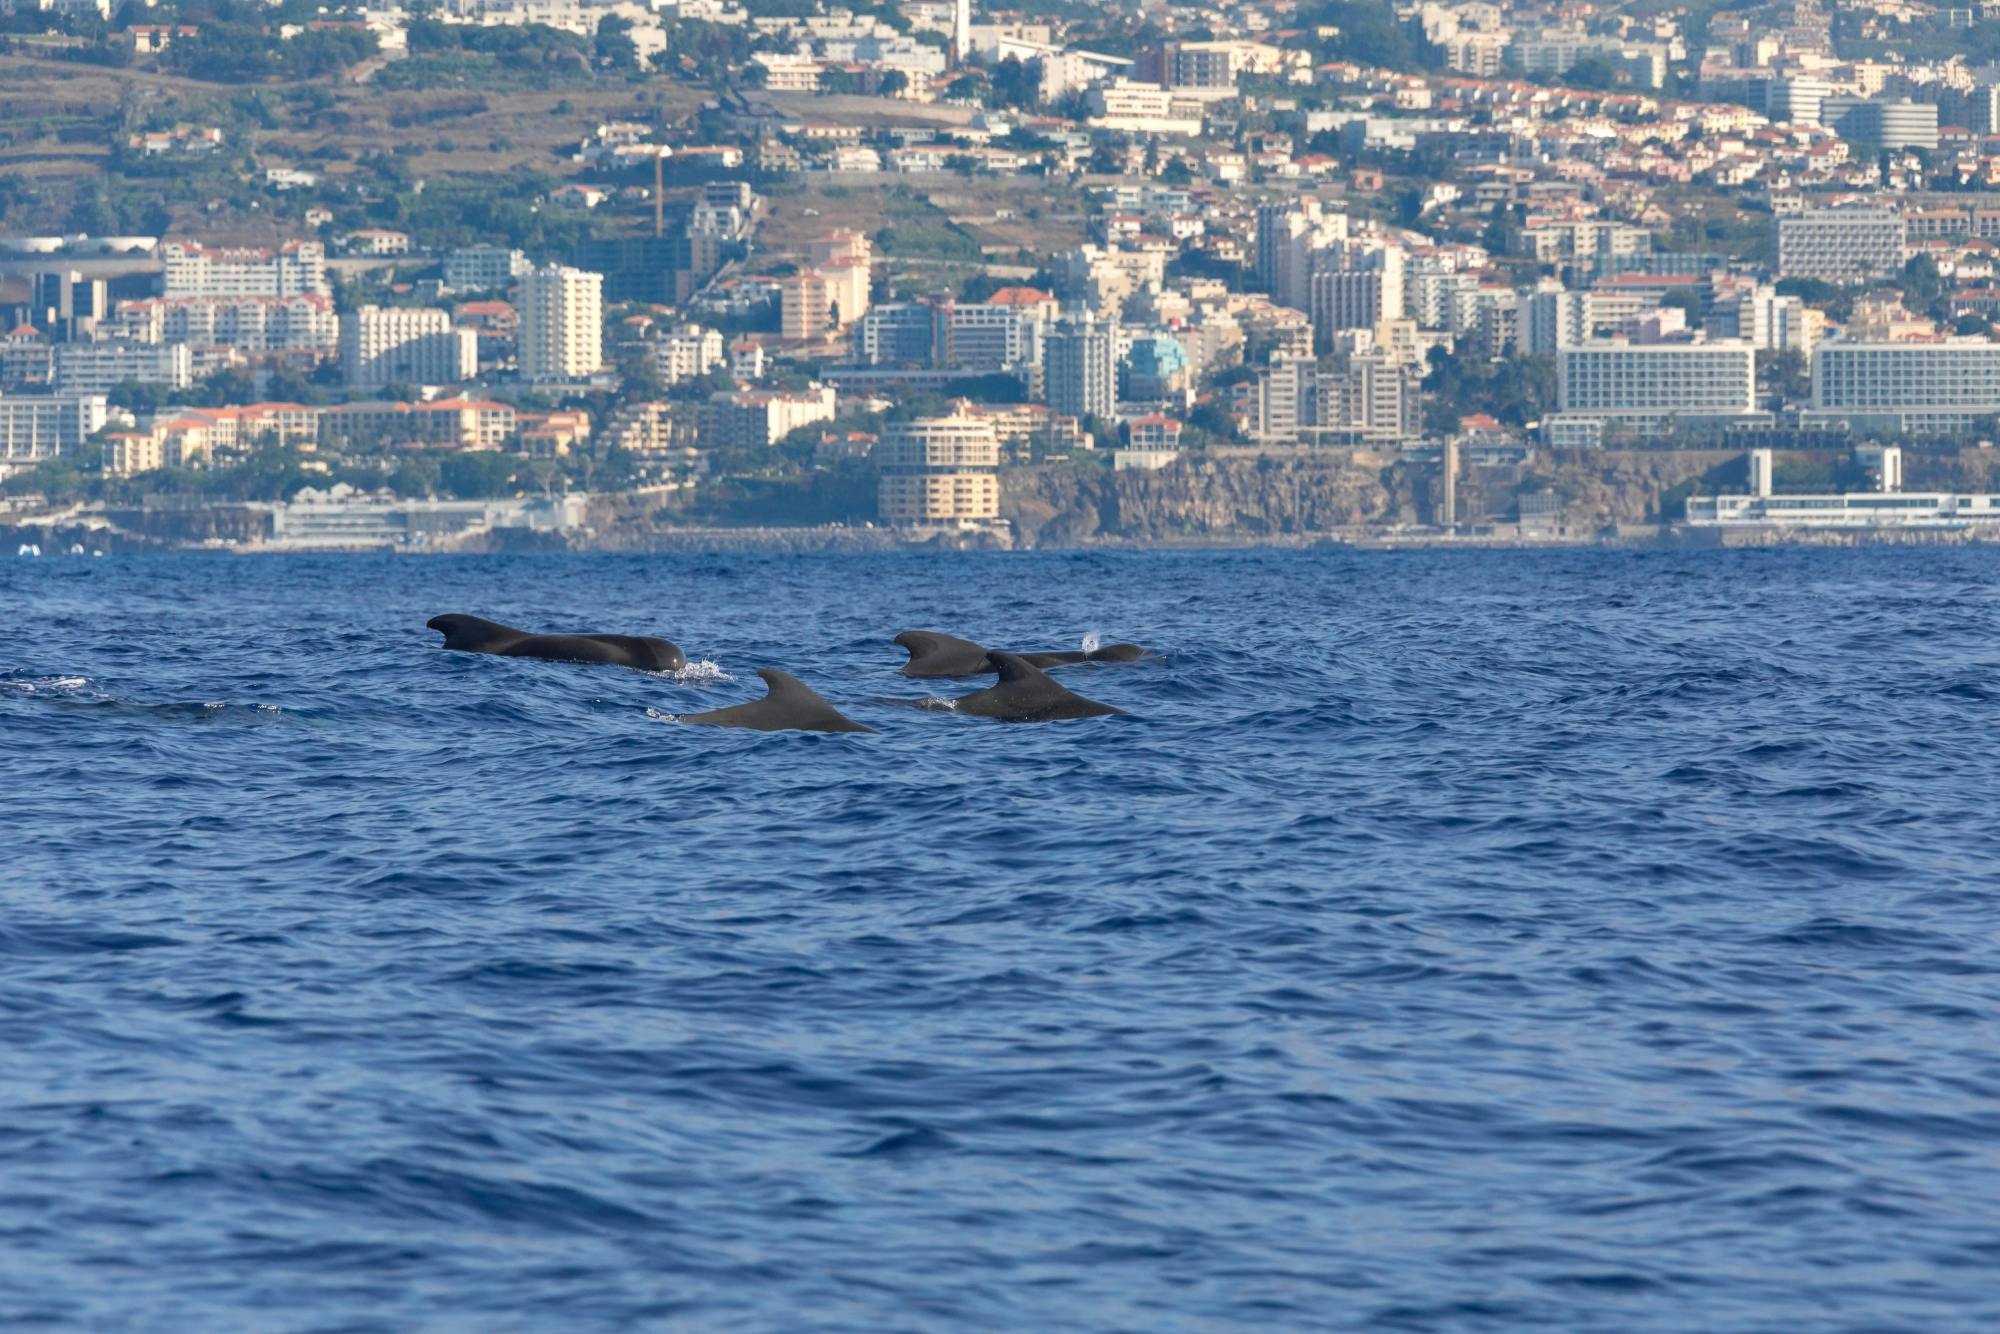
<point>1459,941</point>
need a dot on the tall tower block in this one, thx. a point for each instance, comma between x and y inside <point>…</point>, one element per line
<point>961,31</point>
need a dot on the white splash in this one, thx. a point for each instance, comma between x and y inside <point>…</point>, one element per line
<point>661,715</point>
<point>1093,641</point>
<point>43,685</point>
<point>937,702</point>
<point>697,674</point>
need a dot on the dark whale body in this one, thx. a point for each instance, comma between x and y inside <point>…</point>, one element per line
<point>470,634</point>
<point>933,654</point>
<point>790,706</point>
<point>1027,694</point>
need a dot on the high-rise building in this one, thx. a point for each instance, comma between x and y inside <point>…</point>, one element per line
<point>902,333</point>
<point>805,305</point>
<point>303,323</point>
<point>483,268</point>
<point>1922,388</point>
<point>939,471</point>
<point>1841,244</point>
<point>36,427</point>
<point>1767,321</point>
<point>1355,291</point>
<point>1369,399</point>
<point>98,368</point>
<point>1882,122</point>
<point>562,323</point>
<point>1797,99</point>
<point>658,269</point>
<point>1652,383</point>
<point>395,344</point>
<point>687,353</point>
<point>68,304</point>
<point>193,269</point>
<point>755,418</point>
<point>1080,363</point>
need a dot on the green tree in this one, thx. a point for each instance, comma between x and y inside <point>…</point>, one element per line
<point>476,474</point>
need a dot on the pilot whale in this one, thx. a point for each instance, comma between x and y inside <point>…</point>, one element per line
<point>933,654</point>
<point>1027,694</point>
<point>470,634</point>
<point>789,706</point>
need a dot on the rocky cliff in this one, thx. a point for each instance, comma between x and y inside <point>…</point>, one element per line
<point>1239,499</point>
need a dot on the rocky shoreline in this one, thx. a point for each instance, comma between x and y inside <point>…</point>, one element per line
<point>1234,499</point>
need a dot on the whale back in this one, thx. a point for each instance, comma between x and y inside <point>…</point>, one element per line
<point>933,654</point>
<point>640,651</point>
<point>1027,694</point>
<point>474,634</point>
<point>789,705</point>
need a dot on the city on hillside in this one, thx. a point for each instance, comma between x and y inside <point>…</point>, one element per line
<point>492,273</point>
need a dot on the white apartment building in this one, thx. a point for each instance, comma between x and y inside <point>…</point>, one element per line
<point>98,368</point>
<point>1768,321</point>
<point>1917,387</point>
<point>1365,288</point>
<point>1144,108</point>
<point>1841,245</point>
<point>939,471</point>
<point>483,268</point>
<point>687,353</point>
<point>764,417</point>
<point>1796,99</point>
<point>35,427</point>
<point>1371,399</point>
<point>562,323</point>
<point>1080,366</point>
<point>193,269</point>
<point>1654,383</point>
<point>303,323</point>
<point>392,344</point>
<point>989,336</point>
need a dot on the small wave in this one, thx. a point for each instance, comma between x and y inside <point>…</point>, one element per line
<point>48,685</point>
<point>661,715</point>
<point>697,673</point>
<point>938,702</point>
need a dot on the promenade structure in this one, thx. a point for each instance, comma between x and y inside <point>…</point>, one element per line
<point>1887,506</point>
<point>939,471</point>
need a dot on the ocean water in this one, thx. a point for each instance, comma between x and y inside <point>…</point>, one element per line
<point>1568,940</point>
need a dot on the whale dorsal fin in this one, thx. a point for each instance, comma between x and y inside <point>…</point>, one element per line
<point>784,688</point>
<point>922,642</point>
<point>1015,668</point>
